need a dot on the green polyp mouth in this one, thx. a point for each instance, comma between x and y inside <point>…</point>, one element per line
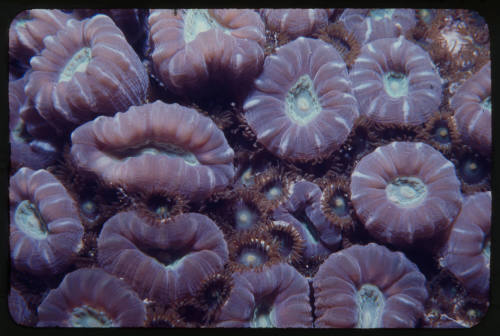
<point>89,317</point>
<point>273,191</point>
<point>486,251</point>
<point>244,218</point>
<point>77,63</point>
<point>338,205</point>
<point>171,259</point>
<point>261,317</point>
<point>406,191</point>
<point>442,134</point>
<point>29,219</point>
<point>89,208</point>
<point>370,302</point>
<point>312,234</point>
<point>160,206</point>
<point>22,19</point>
<point>425,15</point>
<point>285,243</point>
<point>169,150</point>
<point>486,103</point>
<point>247,177</point>
<point>21,23</point>
<point>197,21</point>
<point>380,14</point>
<point>20,133</point>
<point>162,211</point>
<point>472,170</point>
<point>396,84</point>
<point>252,257</point>
<point>301,102</point>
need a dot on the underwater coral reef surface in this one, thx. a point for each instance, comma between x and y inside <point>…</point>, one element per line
<point>307,168</point>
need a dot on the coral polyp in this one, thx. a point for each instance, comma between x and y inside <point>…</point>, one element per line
<point>91,298</point>
<point>395,81</point>
<point>302,107</point>
<point>336,203</point>
<point>354,289</point>
<point>472,105</point>
<point>473,170</point>
<point>81,74</point>
<point>303,211</point>
<point>27,31</point>
<point>158,207</point>
<point>196,157</point>
<point>369,25</point>
<point>405,192</point>
<point>265,168</point>
<point>26,149</point>
<point>45,230</point>
<point>277,296</point>
<point>18,308</point>
<point>295,22</point>
<point>467,252</point>
<point>171,259</point>
<point>243,211</point>
<point>194,49</point>
<point>290,243</point>
<point>252,250</point>
<point>441,132</point>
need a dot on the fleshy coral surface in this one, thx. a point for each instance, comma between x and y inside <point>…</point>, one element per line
<point>250,168</point>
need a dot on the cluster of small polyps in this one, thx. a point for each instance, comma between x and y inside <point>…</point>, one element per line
<point>135,202</point>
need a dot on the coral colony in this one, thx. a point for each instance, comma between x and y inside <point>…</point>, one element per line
<point>314,168</point>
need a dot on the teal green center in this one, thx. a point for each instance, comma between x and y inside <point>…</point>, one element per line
<point>426,15</point>
<point>21,23</point>
<point>406,191</point>
<point>473,170</point>
<point>252,257</point>
<point>396,84</point>
<point>20,133</point>
<point>380,14</point>
<point>245,218</point>
<point>30,221</point>
<point>370,302</point>
<point>162,211</point>
<point>247,177</point>
<point>171,259</point>
<point>311,232</point>
<point>273,191</point>
<point>486,103</point>
<point>175,264</point>
<point>339,206</point>
<point>89,317</point>
<point>160,206</point>
<point>263,313</point>
<point>89,208</point>
<point>486,251</point>
<point>157,149</point>
<point>77,63</point>
<point>284,241</point>
<point>197,21</point>
<point>442,134</point>
<point>301,102</point>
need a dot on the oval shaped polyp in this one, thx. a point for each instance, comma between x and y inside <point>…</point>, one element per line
<point>170,261</point>
<point>405,191</point>
<point>368,287</point>
<point>302,107</point>
<point>45,229</point>
<point>156,146</point>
